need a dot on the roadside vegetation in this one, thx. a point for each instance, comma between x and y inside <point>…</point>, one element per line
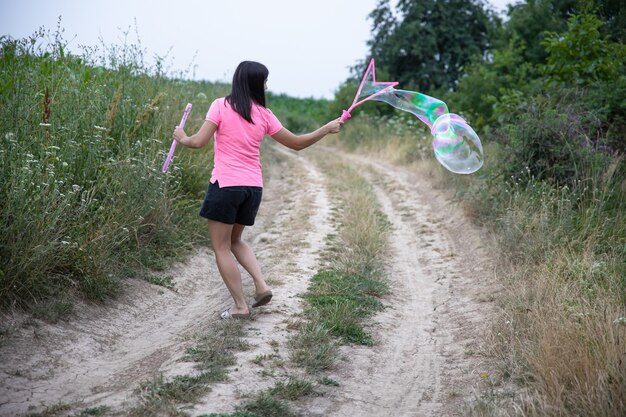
<point>85,205</point>
<point>547,99</point>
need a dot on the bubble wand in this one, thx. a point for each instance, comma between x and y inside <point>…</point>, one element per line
<point>173,147</point>
<point>372,89</point>
<point>455,144</point>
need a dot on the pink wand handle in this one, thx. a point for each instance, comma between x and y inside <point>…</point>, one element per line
<point>173,147</point>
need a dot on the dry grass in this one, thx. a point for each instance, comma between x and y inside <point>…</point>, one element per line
<point>362,237</point>
<point>559,338</point>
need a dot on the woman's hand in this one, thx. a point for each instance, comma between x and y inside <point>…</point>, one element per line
<point>180,135</point>
<point>334,126</point>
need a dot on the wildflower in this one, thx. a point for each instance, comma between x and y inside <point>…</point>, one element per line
<point>9,135</point>
<point>99,127</point>
<point>76,188</point>
<point>620,321</point>
<point>64,164</point>
<point>65,242</point>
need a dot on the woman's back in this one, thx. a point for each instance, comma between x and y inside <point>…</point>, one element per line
<point>237,143</point>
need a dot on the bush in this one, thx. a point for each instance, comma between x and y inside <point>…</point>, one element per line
<point>553,138</point>
<point>82,198</point>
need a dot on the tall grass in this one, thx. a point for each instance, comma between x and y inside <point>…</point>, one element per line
<point>83,201</point>
<point>560,332</point>
<point>82,197</point>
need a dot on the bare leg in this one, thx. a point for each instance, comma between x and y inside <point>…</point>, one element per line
<point>246,257</point>
<point>220,239</point>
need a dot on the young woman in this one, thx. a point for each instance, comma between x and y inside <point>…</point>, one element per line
<point>239,122</point>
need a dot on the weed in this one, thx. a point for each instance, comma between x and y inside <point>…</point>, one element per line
<point>342,301</point>
<point>328,381</point>
<point>293,389</point>
<point>212,354</point>
<point>94,411</point>
<point>165,281</point>
<point>266,405</point>
<point>52,411</point>
<point>313,347</point>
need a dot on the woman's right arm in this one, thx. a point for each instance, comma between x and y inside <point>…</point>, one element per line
<point>299,142</point>
<point>198,140</point>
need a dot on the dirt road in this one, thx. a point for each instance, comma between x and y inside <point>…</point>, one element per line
<point>421,365</point>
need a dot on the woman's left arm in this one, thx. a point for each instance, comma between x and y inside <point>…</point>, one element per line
<point>200,139</point>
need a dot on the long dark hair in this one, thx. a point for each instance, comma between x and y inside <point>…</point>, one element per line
<point>248,86</point>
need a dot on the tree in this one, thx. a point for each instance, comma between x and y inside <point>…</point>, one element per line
<point>529,21</point>
<point>581,55</point>
<point>431,40</point>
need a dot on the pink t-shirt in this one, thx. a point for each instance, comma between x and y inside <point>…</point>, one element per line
<point>237,143</point>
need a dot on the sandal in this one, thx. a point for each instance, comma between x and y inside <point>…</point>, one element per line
<point>262,299</point>
<point>226,315</point>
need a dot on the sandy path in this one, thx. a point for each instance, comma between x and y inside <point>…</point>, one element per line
<point>98,354</point>
<point>420,365</point>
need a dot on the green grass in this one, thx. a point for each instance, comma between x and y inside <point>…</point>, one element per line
<point>52,410</point>
<point>264,404</point>
<point>313,347</point>
<point>82,195</point>
<point>342,301</point>
<point>294,389</point>
<point>163,281</point>
<point>328,381</point>
<point>271,402</point>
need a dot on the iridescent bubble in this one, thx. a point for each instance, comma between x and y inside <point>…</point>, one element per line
<point>456,145</point>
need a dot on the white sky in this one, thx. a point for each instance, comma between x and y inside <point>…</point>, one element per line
<point>308,45</point>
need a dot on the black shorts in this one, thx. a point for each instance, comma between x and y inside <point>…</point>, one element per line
<point>231,205</point>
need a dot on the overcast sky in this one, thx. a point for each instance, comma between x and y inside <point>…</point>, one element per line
<point>308,45</point>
